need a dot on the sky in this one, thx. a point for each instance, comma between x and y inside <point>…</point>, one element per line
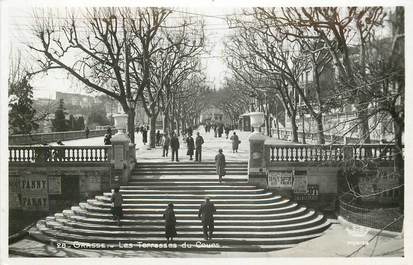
<point>45,86</point>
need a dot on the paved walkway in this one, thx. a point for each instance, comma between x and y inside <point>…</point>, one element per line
<point>209,150</point>
<point>336,242</point>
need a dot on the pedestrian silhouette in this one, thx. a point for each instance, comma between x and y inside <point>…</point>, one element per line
<point>170,222</point>
<point>190,145</point>
<point>199,141</point>
<point>220,164</point>
<point>174,147</point>
<point>117,201</point>
<point>206,214</point>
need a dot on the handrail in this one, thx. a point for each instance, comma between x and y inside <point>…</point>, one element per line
<point>329,152</point>
<point>52,154</point>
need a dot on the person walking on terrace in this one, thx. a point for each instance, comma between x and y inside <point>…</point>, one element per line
<point>87,132</point>
<point>235,142</point>
<point>174,147</point>
<point>144,136</point>
<point>206,214</point>
<point>170,223</point>
<point>117,202</point>
<point>220,164</point>
<point>165,144</point>
<point>199,141</point>
<point>158,138</point>
<point>226,131</point>
<point>191,146</point>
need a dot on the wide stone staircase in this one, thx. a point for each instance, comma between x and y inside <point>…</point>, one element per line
<point>247,218</point>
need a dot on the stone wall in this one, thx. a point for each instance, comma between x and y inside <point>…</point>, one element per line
<point>53,188</point>
<point>316,187</point>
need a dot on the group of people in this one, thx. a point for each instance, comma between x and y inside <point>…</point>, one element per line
<point>192,145</point>
<point>205,213</point>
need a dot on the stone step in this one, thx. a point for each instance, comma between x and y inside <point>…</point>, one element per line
<point>177,245</point>
<point>176,198</point>
<point>187,227</point>
<point>115,237</point>
<point>198,198</point>
<point>262,224</point>
<point>190,164</point>
<point>146,181</point>
<point>195,186</point>
<point>105,231</point>
<point>151,190</point>
<point>85,211</point>
<point>99,207</point>
<point>188,167</point>
<point>247,218</point>
<point>183,204</point>
<point>187,209</point>
<point>191,172</point>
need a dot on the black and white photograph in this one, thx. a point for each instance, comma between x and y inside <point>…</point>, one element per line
<point>171,131</point>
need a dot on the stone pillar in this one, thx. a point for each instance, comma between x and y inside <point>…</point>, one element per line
<point>257,172</point>
<point>121,156</point>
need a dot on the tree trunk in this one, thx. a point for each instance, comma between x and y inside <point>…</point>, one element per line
<point>131,125</point>
<point>363,121</point>
<point>152,141</point>
<point>294,128</point>
<point>165,126</point>
<point>303,128</point>
<point>320,129</point>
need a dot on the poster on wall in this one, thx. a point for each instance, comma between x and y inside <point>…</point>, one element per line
<point>55,185</point>
<point>90,183</point>
<point>300,182</point>
<point>280,179</point>
<point>312,194</point>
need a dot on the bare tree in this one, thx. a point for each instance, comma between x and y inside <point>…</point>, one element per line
<point>94,46</point>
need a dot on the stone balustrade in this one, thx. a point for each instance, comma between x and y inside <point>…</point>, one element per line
<point>329,152</point>
<point>313,136</point>
<point>59,154</point>
<point>40,138</point>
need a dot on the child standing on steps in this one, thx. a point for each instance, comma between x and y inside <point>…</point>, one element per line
<point>117,201</point>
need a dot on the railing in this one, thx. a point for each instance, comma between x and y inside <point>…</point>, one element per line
<point>40,138</point>
<point>375,218</point>
<point>49,154</point>
<point>333,152</point>
<point>313,136</point>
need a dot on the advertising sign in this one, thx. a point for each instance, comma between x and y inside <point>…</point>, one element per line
<point>55,185</point>
<point>280,179</point>
<point>300,183</point>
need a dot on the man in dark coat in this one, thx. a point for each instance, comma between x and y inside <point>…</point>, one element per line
<point>87,132</point>
<point>174,147</point>
<point>220,164</point>
<point>144,136</point>
<point>199,141</point>
<point>189,130</point>
<point>158,138</point>
<point>191,146</point>
<point>206,214</point>
<point>170,222</point>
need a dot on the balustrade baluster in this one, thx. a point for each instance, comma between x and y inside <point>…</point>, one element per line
<point>272,153</point>
<point>82,154</point>
<point>296,154</point>
<point>287,155</point>
<point>282,154</point>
